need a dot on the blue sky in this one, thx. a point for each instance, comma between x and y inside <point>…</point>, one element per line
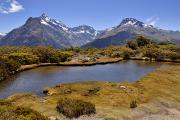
<point>100,14</point>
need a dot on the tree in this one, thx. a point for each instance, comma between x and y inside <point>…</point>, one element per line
<point>132,44</point>
<point>142,41</point>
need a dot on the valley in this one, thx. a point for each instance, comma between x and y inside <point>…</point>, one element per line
<point>89,60</point>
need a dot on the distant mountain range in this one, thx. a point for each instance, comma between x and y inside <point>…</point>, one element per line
<point>50,32</point>
<point>129,29</point>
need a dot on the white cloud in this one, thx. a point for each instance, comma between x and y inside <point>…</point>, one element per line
<point>152,20</point>
<point>10,6</point>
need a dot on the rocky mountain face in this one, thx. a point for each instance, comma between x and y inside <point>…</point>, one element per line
<point>129,29</point>
<point>49,32</point>
<point>2,35</point>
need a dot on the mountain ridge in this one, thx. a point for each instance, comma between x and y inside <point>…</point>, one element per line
<point>46,31</point>
<point>2,35</point>
<point>129,29</point>
<point>49,32</point>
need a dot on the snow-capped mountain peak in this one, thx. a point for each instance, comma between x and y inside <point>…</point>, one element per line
<point>133,22</point>
<point>84,29</point>
<point>52,22</point>
<point>129,21</point>
<point>47,31</point>
<point>2,34</point>
<point>58,25</point>
<point>45,17</point>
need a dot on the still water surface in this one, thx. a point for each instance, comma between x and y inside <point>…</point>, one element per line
<point>33,81</point>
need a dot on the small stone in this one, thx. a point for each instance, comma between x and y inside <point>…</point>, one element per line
<point>45,91</point>
<point>122,87</point>
<point>67,91</point>
<point>53,118</point>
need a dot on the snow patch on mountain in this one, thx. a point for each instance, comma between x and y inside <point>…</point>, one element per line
<point>130,23</point>
<point>77,32</point>
<point>134,22</point>
<point>109,29</point>
<point>44,22</point>
<point>53,23</point>
<point>2,34</point>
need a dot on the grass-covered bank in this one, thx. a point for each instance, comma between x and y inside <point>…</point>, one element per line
<point>14,59</point>
<point>9,111</point>
<point>156,96</point>
<point>71,63</point>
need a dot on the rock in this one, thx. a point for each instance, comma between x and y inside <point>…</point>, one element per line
<point>92,91</point>
<point>122,87</point>
<point>67,91</point>
<point>59,86</point>
<point>93,59</point>
<point>97,56</point>
<point>85,59</point>
<point>54,118</point>
<point>45,91</point>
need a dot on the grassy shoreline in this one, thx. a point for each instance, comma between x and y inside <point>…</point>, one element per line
<point>16,59</point>
<point>156,94</point>
<point>99,62</point>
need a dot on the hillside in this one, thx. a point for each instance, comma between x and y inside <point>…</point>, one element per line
<point>130,28</point>
<point>49,32</point>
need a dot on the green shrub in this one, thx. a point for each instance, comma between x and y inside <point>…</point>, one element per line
<point>174,48</point>
<point>166,43</point>
<point>50,55</point>
<point>44,53</point>
<point>92,91</point>
<point>160,53</point>
<point>154,53</point>
<point>9,65</point>
<point>24,58</point>
<point>10,112</point>
<point>64,56</point>
<point>132,44</point>
<point>4,102</point>
<point>133,104</point>
<point>174,56</point>
<point>123,52</point>
<point>75,108</point>
<point>142,41</point>
<point>59,57</point>
<point>3,74</point>
<point>126,55</point>
<point>10,49</point>
<point>29,114</point>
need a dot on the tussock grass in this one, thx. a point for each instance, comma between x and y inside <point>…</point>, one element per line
<point>158,90</point>
<point>9,111</point>
<point>72,108</point>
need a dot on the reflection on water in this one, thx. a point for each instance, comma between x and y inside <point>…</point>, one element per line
<point>33,81</point>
